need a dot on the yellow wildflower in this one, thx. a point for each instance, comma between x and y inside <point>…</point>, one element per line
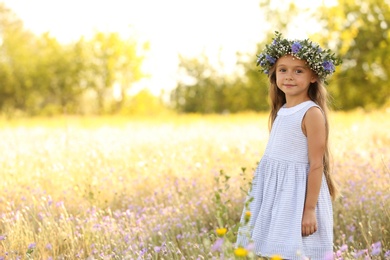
<point>240,252</point>
<point>276,257</point>
<point>221,232</point>
<point>247,216</point>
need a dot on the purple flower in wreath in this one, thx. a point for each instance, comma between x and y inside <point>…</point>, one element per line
<point>295,47</point>
<point>271,59</point>
<point>328,65</point>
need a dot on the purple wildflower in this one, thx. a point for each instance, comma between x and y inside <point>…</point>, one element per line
<point>2,238</point>
<point>60,204</point>
<point>217,246</point>
<point>49,201</point>
<point>387,254</point>
<point>376,248</point>
<point>328,65</point>
<point>359,253</point>
<point>271,59</point>
<point>32,246</point>
<point>295,47</point>
<point>49,246</point>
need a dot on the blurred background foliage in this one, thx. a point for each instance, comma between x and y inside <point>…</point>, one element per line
<point>41,76</point>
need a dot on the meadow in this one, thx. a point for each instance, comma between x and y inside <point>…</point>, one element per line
<point>170,187</point>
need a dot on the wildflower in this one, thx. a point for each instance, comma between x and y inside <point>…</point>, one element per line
<point>217,246</point>
<point>221,232</point>
<point>376,248</point>
<point>247,216</point>
<point>343,248</point>
<point>276,257</point>
<point>295,47</point>
<point>2,238</point>
<point>49,246</point>
<point>359,253</point>
<point>271,59</point>
<point>240,252</point>
<point>328,65</point>
<point>32,246</point>
<point>387,254</point>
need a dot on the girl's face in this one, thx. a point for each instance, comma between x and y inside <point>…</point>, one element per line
<point>293,76</point>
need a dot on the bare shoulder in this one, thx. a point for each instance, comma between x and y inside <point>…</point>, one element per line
<point>313,121</point>
<point>315,113</point>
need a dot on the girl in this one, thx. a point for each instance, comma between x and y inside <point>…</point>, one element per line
<point>290,204</point>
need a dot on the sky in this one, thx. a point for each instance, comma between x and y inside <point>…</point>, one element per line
<point>172,27</point>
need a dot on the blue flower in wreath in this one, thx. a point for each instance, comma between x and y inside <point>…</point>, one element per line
<point>295,47</point>
<point>271,59</point>
<point>328,65</point>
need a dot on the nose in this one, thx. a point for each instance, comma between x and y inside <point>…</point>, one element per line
<point>289,76</point>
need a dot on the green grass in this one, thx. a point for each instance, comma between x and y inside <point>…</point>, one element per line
<point>123,188</point>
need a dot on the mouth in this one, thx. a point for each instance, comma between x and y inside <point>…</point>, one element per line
<point>288,85</point>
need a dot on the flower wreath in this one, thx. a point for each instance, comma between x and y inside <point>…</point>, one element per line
<point>322,62</point>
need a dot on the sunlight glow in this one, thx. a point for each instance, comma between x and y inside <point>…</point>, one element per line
<point>172,27</point>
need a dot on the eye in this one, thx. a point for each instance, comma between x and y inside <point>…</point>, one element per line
<point>299,71</point>
<point>282,70</point>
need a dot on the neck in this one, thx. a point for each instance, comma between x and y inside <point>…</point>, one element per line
<point>292,101</point>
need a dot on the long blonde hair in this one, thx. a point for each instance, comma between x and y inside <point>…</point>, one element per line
<point>318,94</point>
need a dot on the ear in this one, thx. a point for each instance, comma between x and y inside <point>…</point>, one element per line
<point>313,79</point>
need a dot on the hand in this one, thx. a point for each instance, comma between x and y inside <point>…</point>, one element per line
<point>309,222</point>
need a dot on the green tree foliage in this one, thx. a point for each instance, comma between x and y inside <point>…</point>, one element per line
<point>360,30</point>
<point>39,75</point>
<point>110,60</point>
<point>57,76</point>
<point>200,88</point>
<point>16,63</point>
<point>205,88</point>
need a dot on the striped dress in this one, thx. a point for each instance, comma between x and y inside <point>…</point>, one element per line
<point>278,196</point>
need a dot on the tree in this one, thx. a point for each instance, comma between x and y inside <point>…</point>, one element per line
<point>199,88</point>
<point>16,62</point>
<point>360,30</point>
<point>111,60</point>
<point>57,76</point>
<point>40,75</point>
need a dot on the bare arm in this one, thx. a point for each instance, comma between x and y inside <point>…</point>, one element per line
<point>314,129</point>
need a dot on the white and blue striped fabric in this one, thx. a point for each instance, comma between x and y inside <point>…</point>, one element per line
<point>278,193</point>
